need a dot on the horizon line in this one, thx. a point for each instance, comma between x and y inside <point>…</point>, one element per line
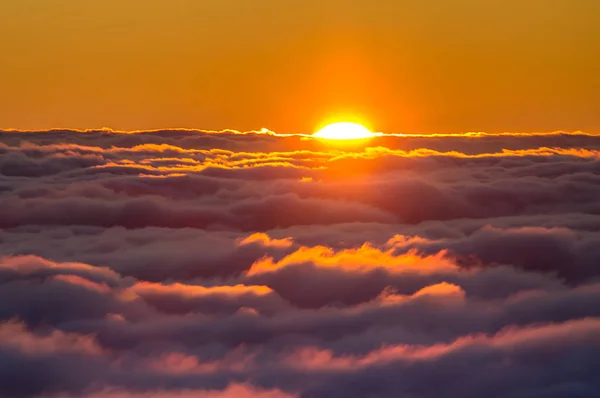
<point>266,131</point>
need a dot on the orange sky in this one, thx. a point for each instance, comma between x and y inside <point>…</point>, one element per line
<point>404,66</point>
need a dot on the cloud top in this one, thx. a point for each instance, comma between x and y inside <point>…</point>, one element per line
<point>182,263</point>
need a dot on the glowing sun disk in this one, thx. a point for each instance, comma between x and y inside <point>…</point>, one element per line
<point>344,131</point>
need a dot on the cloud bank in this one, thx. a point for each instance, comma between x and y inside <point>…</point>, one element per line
<point>184,263</point>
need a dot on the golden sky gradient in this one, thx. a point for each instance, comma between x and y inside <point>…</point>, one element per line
<point>403,66</point>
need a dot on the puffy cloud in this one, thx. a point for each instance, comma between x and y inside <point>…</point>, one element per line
<point>14,335</point>
<point>512,339</point>
<point>30,266</point>
<point>264,240</point>
<point>362,259</point>
<point>180,298</point>
<point>232,391</point>
<point>507,364</point>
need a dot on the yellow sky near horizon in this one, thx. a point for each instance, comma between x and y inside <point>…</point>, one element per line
<point>403,66</point>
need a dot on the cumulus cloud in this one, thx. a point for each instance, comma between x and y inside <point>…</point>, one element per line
<point>182,263</point>
<point>232,391</point>
<point>14,335</point>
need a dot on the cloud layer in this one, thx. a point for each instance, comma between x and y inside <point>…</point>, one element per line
<point>224,264</point>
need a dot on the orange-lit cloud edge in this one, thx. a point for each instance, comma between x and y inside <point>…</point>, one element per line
<point>266,131</point>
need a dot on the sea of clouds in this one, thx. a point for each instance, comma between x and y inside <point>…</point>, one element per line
<point>184,264</point>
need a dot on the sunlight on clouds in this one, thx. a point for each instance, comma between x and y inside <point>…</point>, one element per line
<point>362,259</point>
<point>224,264</point>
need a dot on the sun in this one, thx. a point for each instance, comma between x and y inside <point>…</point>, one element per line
<point>344,131</point>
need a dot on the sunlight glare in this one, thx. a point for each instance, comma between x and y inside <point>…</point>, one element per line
<point>344,131</point>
